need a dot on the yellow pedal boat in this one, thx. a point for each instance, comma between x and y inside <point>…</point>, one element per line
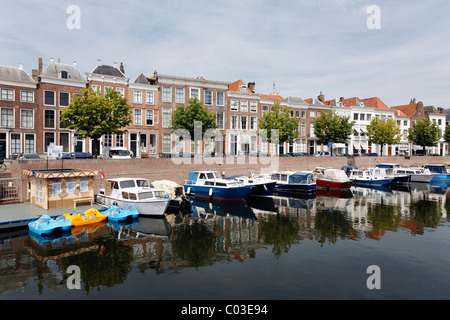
<point>90,216</point>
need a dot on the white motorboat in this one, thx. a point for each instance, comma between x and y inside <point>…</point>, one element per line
<point>134,193</point>
<point>366,177</point>
<point>387,170</point>
<point>416,174</point>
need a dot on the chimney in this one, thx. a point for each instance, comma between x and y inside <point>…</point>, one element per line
<point>40,66</point>
<point>52,60</point>
<point>321,97</point>
<point>413,101</point>
<point>34,74</point>
<point>20,66</point>
<point>342,99</point>
<point>251,86</point>
<point>122,69</point>
<point>115,65</point>
<point>74,63</point>
<point>99,62</point>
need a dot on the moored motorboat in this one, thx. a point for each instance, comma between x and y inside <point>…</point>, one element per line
<point>440,173</point>
<point>386,170</point>
<point>366,177</point>
<point>262,185</point>
<point>134,193</point>
<point>47,225</point>
<point>179,201</point>
<point>206,184</point>
<point>294,181</point>
<point>332,179</point>
<point>415,174</point>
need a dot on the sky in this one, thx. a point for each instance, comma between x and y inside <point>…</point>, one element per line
<point>297,47</point>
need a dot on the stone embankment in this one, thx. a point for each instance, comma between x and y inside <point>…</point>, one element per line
<point>177,169</point>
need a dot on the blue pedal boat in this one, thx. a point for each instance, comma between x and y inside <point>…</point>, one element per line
<point>46,225</point>
<point>115,213</point>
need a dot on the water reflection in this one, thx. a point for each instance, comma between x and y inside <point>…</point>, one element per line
<point>216,232</point>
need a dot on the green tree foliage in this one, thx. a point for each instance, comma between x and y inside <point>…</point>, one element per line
<point>93,115</point>
<point>424,133</point>
<point>383,131</point>
<point>280,119</point>
<point>330,127</point>
<point>447,134</point>
<point>185,118</point>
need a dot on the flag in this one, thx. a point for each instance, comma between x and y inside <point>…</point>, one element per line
<point>102,173</point>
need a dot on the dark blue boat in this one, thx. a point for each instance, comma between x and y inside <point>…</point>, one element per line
<point>441,177</point>
<point>206,184</point>
<point>301,181</point>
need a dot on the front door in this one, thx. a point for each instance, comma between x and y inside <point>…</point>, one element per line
<point>2,145</point>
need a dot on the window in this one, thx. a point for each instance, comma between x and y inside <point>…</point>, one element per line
<point>64,141</point>
<point>137,97</point>
<point>15,143</point>
<point>195,93</point>
<point>369,117</point>
<point>253,106</point>
<point>166,117</point>
<point>149,98</point>
<point>219,120</point>
<point>121,90</point>
<point>26,96</point>
<point>265,109</point>
<point>303,129</point>
<point>26,119</point>
<point>61,125</point>
<point>96,87</point>
<point>233,105</point>
<point>208,97</point>
<point>106,88</point>
<point>7,117</point>
<point>137,117</point>
<point>167,94</point>
<point>303,114</point>
<point>7,94</point>
<point>49,119</point>
<point>152,143</point>
<point>107,140</point>
<point>49,98</point>
<point>49,138</point>
<point>312,114</point>
<point>179,95</point>
<point>166,147</point>
<point>362,117</point>
<point>149,117</point>
<point>64,99</point>
<point>355,116</point>
<point>119,140</point>
<point>64,75</point>
<point>405,122</point>
<point>253,123</point>
<point>29,143</point>
<point>244,106</point>
<point>220,98</point>
<point>234,122</point>
<point>244,122</point>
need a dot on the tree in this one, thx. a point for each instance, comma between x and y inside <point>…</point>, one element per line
<point>330,127</point>
<point>424,133</point>
<point>447,134</point>
<point>185,118</point>
<point>383,131</point>
<point>280,119</point>
<point>93,115</point>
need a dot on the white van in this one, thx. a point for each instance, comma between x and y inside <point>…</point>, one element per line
<point>116,153</point>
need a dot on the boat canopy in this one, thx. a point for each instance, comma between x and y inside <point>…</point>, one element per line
<point>335,174</point>
<point>436,168</point>
<point>301,177</point>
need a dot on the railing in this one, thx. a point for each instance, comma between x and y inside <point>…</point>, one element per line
<point>9,190</point>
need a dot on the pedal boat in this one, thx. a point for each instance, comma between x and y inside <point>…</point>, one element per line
<point>90,216</point>
<point>46,225</point>
<point>114,213</point>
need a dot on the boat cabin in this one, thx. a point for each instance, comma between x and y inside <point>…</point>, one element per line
<point>131,189</point>
<point>436,168</point>
<point>209,178</point>
<point>293,177</point>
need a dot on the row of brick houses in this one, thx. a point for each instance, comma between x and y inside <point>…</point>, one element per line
<point>30,107</point>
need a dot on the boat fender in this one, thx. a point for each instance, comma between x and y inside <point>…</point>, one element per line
<point>115,203</point>
<point>188,190</point>
<point>210,192</point>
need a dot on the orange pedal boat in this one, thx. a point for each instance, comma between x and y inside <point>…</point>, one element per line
<point>90,216</point>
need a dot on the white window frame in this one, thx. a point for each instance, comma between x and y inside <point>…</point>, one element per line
<point>54,140</point>
<point>150,114</point>
<point>220,93</point>
<point>166,94</point>
<point>234,105</point>
<point>166,122</point>
<point>26,92</point>
<point>149,98</point>
<point>10,123</point>
<point>253,106</point>
<point>234,125</point>
<point>137,96</point>
<point>179,95</point>
<point>54,98</point>
<point>21,118</point>
<point>11,143</point>
<point>242,123</point>
<point>223,120</point>
<point>253,123</point>
<point>121,90</point>
<point>25,142</point>
<point>137,117</point>
<point>244,105</point>
<point>211,97</point>
<point>7,92</point>
<point>195,89</point>
<point>59,98</point>
<point>54,119</point>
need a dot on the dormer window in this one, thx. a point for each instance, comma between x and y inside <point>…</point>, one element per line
<point>64,75</point>
<point>243,88</point>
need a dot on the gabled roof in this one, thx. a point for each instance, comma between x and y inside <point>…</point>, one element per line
<point>236,86</point>
<point>408,109</point>
<point>54,71</point>
<point>398,113</point>
<point>142,79</point>
<point>15,74</point>
<point>375,102</point>
<point>108,71</point>
<point>272,97</point>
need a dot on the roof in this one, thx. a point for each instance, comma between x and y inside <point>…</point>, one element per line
<point>15,74</point>
<point>54,71</point>
<point>409,109</point>
<point>375,102</point>
<point>236,86</point>
<point>142,79</point>
<point>108,71</point>
<point>272,97</point>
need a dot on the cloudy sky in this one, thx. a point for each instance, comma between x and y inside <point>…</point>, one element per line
<point>303,46</point>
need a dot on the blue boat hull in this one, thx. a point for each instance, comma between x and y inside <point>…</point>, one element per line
<point>441,179</point>
<point>266,189</point>
<point>219,193</point>
<point>377,182</point>
<point>296,187</point>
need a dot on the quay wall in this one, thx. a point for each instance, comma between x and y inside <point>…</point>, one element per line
<point>177,169</point>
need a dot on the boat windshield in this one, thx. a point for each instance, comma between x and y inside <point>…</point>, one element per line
<point>142,183</point>
<point>146,195</point>
<point>127,184</point>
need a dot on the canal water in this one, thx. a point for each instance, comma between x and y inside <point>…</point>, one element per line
<point>377,244</point>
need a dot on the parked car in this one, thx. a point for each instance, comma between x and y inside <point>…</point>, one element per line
<point>322,154</point>
<point>31,156</point>
<point>78,155</point>
<point>370,154</point>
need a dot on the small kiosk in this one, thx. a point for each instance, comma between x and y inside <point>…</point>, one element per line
<point>60,188</point>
